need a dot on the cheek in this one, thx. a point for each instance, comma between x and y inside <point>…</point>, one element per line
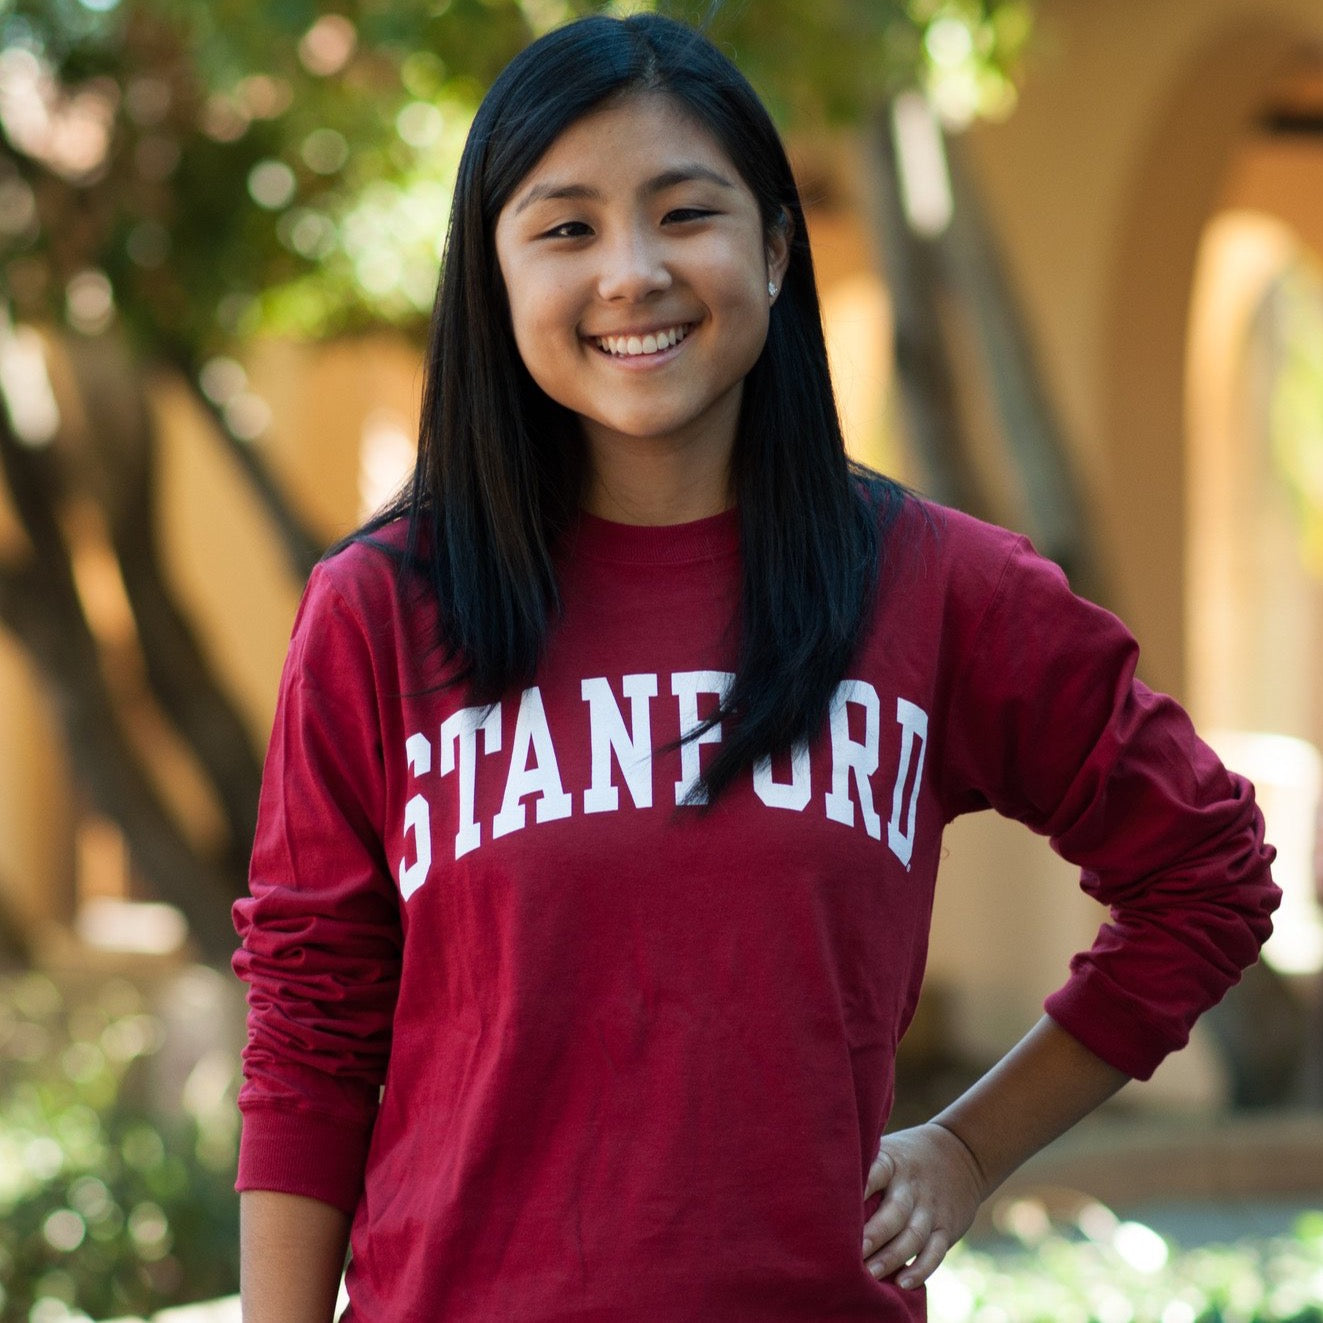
<point>529,337</point>
<point>743,290</point>
<point>523,292</point>
<point>753,306</point>
<point>540,313</point>
<point>545,342</point>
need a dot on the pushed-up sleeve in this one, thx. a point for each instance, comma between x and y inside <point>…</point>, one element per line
<point>1049,725</point>
<point>320,931</point>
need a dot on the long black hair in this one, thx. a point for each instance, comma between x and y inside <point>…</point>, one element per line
<point>501,467</point>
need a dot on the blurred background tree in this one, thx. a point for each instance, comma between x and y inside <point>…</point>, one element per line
<point>179,177</point>
<point>209,171</point>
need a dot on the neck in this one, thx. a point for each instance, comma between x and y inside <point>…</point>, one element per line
<point>657,495</point>
<point>649,480</point>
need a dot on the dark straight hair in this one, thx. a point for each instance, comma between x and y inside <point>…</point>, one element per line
<point>501,467</point>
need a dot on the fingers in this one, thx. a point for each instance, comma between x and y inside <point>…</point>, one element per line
<point>897,1233</point>
<point>901,1238</point>
<point>912,1255</point>
<point>879,1174</point>
<point>895,1215</point>
<point>929,1197</point>
<point>925,1263</point>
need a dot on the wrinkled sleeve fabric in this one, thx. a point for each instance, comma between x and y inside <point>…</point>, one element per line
<point>320,931</point>
<point>1049,725</point>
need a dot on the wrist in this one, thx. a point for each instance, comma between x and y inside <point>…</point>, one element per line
<point>1042,1087</point>
<point>976,1166</point>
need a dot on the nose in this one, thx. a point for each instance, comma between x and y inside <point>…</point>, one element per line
<point>633,266</point>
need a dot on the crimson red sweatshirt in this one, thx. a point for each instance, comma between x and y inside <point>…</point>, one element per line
<point>567,1051</point>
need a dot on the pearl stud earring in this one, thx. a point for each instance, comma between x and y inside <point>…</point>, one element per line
<point>771,289</point>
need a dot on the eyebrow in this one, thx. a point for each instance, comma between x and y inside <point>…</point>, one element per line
<point>680,174</point>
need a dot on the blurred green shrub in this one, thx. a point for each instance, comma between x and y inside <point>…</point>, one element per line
<point>1111,1271</point>
<point>110,1204</point>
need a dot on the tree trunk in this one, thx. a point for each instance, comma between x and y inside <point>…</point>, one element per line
<point>961,267</point>
<point>924,374</point>
<point>39,602</point>
<point>1033,433</point>
<point>179,674</point>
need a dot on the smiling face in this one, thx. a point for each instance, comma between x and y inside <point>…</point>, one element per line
<point>636,265</point>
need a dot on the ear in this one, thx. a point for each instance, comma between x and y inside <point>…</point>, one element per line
<point>778,247</point>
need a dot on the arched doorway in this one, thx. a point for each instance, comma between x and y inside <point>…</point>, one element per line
<point>1177,188</point>
<point>1254,433</point>
<point>1254,396</point>
<point>1219,273</point>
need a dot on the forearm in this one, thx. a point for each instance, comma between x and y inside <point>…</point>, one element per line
<point>1041,1088</point>
<point>291,1255</point>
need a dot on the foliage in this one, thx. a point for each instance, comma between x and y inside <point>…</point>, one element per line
<point>851,56</point>
<point>106,1208</point>
<point>1295,407</point>
<point>1124,1272</point>
<point>211,168</point>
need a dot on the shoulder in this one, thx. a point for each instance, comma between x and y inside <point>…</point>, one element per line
<point>931,549</point>
<point>959,537</point>
<point>366,571</point>
<point>906,520</point>
<point>983,605</point>
<point>1009,619</point>
<point>362,596</point>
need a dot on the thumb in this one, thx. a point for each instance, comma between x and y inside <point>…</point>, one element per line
<point>880,1173</point>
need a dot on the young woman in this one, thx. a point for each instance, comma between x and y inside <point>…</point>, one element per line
<point>604,802</point>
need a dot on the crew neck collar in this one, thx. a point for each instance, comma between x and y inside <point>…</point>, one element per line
<point>713,538</point>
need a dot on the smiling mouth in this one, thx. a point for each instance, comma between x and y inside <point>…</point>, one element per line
<point>635,346</point>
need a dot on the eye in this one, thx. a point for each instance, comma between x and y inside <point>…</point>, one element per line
<point>681,215</point>
<point>567,230</point>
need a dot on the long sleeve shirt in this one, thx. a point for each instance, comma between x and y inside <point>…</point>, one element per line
<point>567,1049</point>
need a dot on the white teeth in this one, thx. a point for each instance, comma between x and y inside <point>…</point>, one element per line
<point>633,345</point>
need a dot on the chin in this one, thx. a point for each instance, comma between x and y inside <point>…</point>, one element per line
<point>641,430</point>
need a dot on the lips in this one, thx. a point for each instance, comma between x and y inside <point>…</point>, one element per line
<point>641,345</point>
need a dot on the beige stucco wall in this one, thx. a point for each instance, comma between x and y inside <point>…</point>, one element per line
<point>324,400</point>
<point>222,555</point>
<point>1099,186</point>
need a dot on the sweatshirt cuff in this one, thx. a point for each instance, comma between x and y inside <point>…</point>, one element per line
<point>293,1151</point>
<point>1109,1028</point>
